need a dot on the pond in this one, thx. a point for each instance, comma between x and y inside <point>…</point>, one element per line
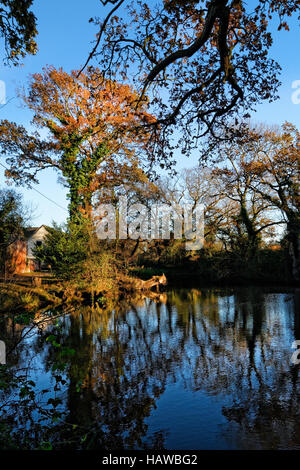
<point>193,368</point>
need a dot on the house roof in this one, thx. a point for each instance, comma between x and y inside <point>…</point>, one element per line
<point>29,232</point>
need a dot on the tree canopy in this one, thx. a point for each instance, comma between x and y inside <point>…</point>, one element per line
<point>18,29</point>
<point>203,63</point>
<point>92,131</point>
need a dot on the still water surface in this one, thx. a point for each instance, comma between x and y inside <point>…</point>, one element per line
<point>190,369</point>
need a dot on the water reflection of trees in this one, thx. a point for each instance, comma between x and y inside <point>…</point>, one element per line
<point>227,343</point>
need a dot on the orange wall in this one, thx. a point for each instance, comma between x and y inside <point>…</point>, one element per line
<point>16,258</point>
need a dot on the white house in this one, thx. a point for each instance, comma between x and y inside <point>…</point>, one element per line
<point>20,257</point>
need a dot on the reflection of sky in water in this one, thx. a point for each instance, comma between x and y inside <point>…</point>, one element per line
<point>196,369</point>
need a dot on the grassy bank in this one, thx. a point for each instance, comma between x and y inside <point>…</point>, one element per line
<point>14,297</point>
<point>267,267</point>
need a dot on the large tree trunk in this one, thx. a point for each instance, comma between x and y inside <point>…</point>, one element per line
<point>252,233</point>
<point>79,204</point>
<point>294,252</point>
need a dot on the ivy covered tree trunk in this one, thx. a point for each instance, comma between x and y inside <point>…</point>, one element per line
<point>80,175</point>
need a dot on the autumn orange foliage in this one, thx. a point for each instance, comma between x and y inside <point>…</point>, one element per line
<point>94,125</point>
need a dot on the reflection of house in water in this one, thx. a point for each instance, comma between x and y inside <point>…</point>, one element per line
<point>20,258</point>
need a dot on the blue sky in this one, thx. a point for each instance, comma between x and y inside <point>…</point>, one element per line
<point>64,39</point>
